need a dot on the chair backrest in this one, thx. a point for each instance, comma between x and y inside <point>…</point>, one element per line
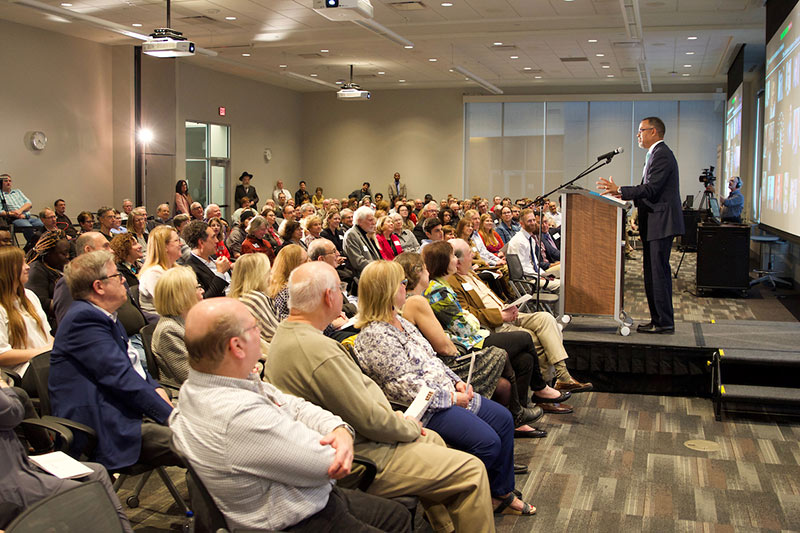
<point>207,516</point>
<point>40,371</point>
<point>147,340</point>
<point>134,292</point>
<point>69,511</point>
<point>514,267</point>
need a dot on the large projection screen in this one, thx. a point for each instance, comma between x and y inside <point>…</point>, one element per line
<point>781,160</point>
<point>733,140</point>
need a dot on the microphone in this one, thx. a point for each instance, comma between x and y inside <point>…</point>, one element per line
<point>611,154</point>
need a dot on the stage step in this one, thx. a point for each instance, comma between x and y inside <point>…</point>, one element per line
<point>751,376</point>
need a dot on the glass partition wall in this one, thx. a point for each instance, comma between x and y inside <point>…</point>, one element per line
<point>525,149</point>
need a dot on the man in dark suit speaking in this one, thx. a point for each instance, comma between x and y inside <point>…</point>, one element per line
<point>658,199</point>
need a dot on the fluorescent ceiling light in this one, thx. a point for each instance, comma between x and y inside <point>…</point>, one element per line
<point>494,89</point>
<point>644,77</point>
<point>383,31</point>
<point>303,77</point>
<point>632,19</point>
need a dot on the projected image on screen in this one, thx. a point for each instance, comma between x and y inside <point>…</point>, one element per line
<point>781,159</point>
<point>733,139</point>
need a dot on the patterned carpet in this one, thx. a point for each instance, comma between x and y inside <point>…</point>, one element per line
<point>620,463</point>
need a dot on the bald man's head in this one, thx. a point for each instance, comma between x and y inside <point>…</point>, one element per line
<point>91,241</point>
<point>308,285</point>
<point>218,332</point>
<point>463,252</point>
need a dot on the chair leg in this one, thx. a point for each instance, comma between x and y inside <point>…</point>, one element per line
<point>120,480</point>
<point>172,489</point>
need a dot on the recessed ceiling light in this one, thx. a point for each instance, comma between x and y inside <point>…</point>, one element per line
<point>230,18</point>
<point>606,66</point>
<point>498,43</point>
<point>527,68</point>
<point>686,75</point>
<point>245,55</point>
<point>689,53</point>
<point>447,4</point>
<point>381,73</point>
<point>433,60</point>
<point>324,50</point>
<point>283,66</point>
<point>136,25</point>
<point>592,40</point>
<point>408,46</point>
<point>609,75</point>
<point>402,81</point>
<point>514,57</point>
<point>600,55</point>
<point>687,66</point>
<point>466,79</point>
<point>538,77</point>
<point>66,4</point>
<point>313,75</point>
<point>692,38</point>
<point>338,82</point>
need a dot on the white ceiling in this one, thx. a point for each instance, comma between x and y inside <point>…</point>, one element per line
<point>542,33</point>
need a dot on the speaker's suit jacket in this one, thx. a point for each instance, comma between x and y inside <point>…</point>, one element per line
<point>658,197</point>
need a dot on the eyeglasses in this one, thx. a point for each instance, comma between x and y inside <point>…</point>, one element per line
<point>642,130</point>
<point>119,275</point>
<point>404,282</point>
<point>254,326</point>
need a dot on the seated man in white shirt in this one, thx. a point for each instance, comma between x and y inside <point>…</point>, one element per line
<point>267,458</point>
<point>524,246</point>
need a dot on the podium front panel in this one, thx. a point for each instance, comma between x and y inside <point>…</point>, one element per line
<point>589,271</point>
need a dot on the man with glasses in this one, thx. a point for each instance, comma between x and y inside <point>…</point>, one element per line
<point>96,375</point>
<point>658,199</point>
<point>15,207</point>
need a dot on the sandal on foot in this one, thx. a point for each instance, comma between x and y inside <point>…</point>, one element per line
<point>505,507</point>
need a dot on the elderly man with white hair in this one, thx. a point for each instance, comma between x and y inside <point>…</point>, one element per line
<point>212,211</point>
<point>451,484</point>
<point>359,241</point>
<point>430,210</point>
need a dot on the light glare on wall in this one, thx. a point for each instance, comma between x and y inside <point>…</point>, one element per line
<point>145,135</point>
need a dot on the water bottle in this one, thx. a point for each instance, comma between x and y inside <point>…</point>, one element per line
<point>188,524</point>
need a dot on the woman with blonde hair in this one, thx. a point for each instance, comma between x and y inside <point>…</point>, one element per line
<point>137,226</point>
<point>24,331</point>
<point>290,257</point>
<point>388,242</point>
<point>249,285</point>
<point>177,291</point>
<point>491,239</point>
<point>393,352</point>
<point>164,250</point>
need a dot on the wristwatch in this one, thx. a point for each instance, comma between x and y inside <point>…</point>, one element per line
<point>349,429</point>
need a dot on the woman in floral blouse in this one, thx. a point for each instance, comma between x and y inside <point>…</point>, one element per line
<point>394,353</point>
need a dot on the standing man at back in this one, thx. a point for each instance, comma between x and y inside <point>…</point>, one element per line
<point>658,199</point>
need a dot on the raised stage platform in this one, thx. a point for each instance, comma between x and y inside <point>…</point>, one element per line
<point>678,364</point>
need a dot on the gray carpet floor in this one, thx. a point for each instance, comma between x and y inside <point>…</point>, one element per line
<point>621,462</point>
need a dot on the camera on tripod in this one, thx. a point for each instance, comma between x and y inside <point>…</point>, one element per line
<point>707,177</point>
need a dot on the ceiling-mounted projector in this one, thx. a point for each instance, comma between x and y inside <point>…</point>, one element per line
<point>338,10</point>
<point>166,42</point>
<point>352,93</point>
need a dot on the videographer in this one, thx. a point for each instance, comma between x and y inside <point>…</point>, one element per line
<point>733,205</point>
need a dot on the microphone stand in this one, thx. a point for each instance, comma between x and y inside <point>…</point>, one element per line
<point>540,202</point>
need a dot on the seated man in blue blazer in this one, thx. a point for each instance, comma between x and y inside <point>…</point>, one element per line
<point>96,377</point>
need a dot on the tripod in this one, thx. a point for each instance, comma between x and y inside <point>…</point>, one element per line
<point>705,205</point>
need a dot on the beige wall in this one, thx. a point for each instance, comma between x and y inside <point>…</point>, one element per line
<point>260,116</point>
<point>62,86</point>
<point>417,133</point>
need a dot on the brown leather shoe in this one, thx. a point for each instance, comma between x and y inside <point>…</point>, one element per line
<point>556,408</point>
<point>573,386</point>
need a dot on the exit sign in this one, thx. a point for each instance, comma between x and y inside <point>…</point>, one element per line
<point>222,111</point>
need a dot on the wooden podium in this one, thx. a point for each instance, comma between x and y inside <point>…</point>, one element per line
<point>592,258</point>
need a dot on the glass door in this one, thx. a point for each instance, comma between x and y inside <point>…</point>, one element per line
<point>208,163</point>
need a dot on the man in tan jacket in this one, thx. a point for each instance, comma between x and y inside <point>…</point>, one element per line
<point>478,299</point>
<point>412,461</point>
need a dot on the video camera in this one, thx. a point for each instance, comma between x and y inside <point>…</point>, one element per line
<point>708,177</point>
